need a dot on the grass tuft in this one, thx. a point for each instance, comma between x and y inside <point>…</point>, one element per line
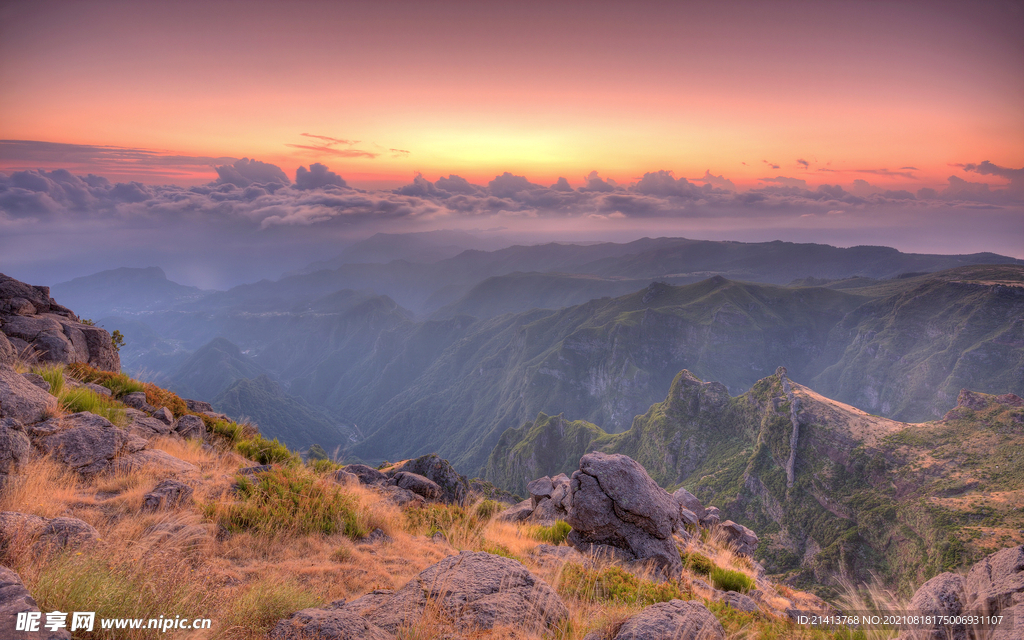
<point>555,534</point>
<point>75,400</point>
<point>261,605</point>
<point>614,584</point>
<point>264,451</point>
<point>728,580</point>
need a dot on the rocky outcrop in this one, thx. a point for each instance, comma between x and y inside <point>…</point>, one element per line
<point>467,593</point>
<point>88,443</point>
<point>689,502</point>
<point>14,447</point>
<point>166,495</point>
<point>36,326</point>
<point>418,484</point>
<point>22,400</point>
<point>794,419</point>
<point>676,619</point>
<point>190,426</point>
<point>550,501</point>
<point>366,475</point>
<point>454,486</point>
<point>616,504</point>
<point>15,599</point>
<point>994,586</point>
<point>742,539</point>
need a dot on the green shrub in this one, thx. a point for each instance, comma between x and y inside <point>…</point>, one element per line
<point>54,375</point>
<point>555,534</point>
<point>323,466</point>
<point>74,400</point>
<point>699,563</point>
<point>728,580</point>
<point>264,451</point>
<point>231,431</point>
<point>488,508</point>
<point>614,584</point>
<point>291,500</point>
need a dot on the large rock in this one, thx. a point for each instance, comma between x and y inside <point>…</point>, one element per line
<point>943,595</point>
<point>34,323</point>
<point>470,592</point>
<point>190,426</point>
<point>22,400</point>
<point>15,599</point>
<point>145,426</point>
<point>14,447</point>
<point>89,445</point>
<point>518,512</point>
<point>366,475</point>
<point>22,528</point>
<point>675,620</point>
<point>995,584</point>
<point>327,624</point>
<point>7,354</point>
<point>689,501</point>
<point>616,504</point>
<point>743,539</point>
<point>18,529</point>
<point>418,484</point>
<point>166,495</point>
<point>153,460</point>
<point>68,532</point>
<point>454,485</point>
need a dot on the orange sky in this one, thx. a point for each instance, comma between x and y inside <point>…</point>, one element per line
<point>856,90</point>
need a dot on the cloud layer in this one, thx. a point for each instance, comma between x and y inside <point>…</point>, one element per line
<point>254,202</point>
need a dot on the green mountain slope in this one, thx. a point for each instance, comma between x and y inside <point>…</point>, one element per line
<point>863,494</point>
<point>211,369</point>
<point>281,416</point>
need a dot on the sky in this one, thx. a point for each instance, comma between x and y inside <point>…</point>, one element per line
<point>272,133</point>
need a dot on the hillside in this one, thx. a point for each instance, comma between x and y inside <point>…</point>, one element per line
<point>857,493</point>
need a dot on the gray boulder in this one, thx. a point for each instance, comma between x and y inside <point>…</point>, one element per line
<point>89,445</point>
<point>345,478</point>
<point>366,475</point>
<point>943,595</point>
<point>144,426</point>
<point>689,501</point>
<point>198,406</point>
<point>400,497</point>
<point>37,380</point>
<point>518,512</point>
<point>14,447</point>
<point>712,516</point>
<point>475,591</point>
<point>327,624</point>
<point>739,601</point>
<point>18,529</point>
<point>164,415</point>
<point>167,495</point>
<point>540,489</point>
<point>675,620</point>
<point>418,484</point>
<point>137,400</point>
<point>22,400</point>
<point>68,532</point>
<point>190,426</point>
<point>995,584</point>
<point>454,486</point>
<point>616,504</point>
<point>743,539</point>
<point>14,599</point>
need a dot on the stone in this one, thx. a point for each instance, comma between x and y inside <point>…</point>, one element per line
<point>167,495</point>
<point>152,460</point>
<point>366,475</point>
<point>14,446</point>
<point>943,595</point>
<point>198,406</point>
<point>712,516</point>
<point>551,555</point>
<point>19,528</point>
<point>345,478</point>
<point>689,501</point>
<point>22,400</point>
<point>993,581</point>
<point>418,484</point>
<point>37,380</point>
<point>89,445</point>
<point>142,425</point>
<point>190,426</point>
<point>739,601</point>
<point>7,353</point>
<point>14,599</point>
<point>401,497</point>
<point>68,532</point>
<point>539,489</point>
<point>688,517</point>
<point>454,486</point>
<point>137,400</point>
<point>615,503</point>
<point>475,591</point>
<point>164,415</point>
<point>743,539</point>
<point>327,624</point>
<point>675,619</point>
<point>517,513</point>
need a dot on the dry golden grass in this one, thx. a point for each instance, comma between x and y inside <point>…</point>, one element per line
<point>42,488</point>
